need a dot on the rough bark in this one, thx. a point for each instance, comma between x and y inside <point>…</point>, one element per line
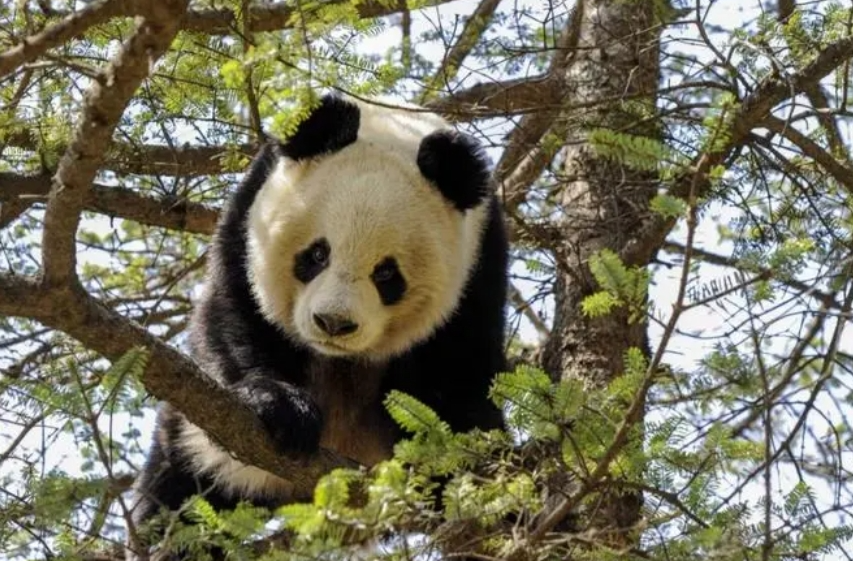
<point>602,204</point>
<point>18,192</point>
<point>273,16</point>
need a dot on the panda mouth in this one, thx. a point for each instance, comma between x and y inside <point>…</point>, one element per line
<point>331,348</point>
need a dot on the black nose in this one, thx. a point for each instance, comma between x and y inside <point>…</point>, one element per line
<point>335,325</point>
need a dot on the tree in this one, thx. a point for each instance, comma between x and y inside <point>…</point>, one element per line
<point>678,192</point>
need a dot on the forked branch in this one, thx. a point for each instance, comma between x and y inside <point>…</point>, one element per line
<point>753,111</point>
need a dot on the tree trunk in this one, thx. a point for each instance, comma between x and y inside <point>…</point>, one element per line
<point>602,201</point>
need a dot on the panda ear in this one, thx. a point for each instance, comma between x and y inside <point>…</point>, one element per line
<point>329,128</point>
<point>457,165</point>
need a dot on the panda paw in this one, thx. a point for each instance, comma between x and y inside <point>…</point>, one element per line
<point>288,413</point>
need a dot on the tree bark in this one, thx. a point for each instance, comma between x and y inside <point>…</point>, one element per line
<point>603,203</point>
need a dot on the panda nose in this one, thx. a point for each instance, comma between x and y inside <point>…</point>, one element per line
<point>335,325</point>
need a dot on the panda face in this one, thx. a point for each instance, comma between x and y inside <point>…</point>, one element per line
<point>357,254</point>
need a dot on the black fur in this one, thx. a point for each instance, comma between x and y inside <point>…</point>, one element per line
<point>298,393</point>
<point>287,412</point>
<point>311,261</point>
<point>457,165</point>
<point>329,128</point>
<point>389,281</point>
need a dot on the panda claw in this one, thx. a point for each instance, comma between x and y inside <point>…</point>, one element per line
<point>289,415</point>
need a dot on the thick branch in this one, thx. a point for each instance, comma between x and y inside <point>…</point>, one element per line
<point>17,193</point>
<point>499,99</point>
<point>72,25</point>
<point>170,376</point>
<point>104,105</point>
<point>753,110</point>
<point>265,17</point>
<point>278,15</point>
<point>153,159</point>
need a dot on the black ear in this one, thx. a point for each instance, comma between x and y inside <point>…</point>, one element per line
<point>457,165</point>
<point>329,128</point>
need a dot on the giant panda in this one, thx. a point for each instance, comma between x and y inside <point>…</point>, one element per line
<point>366,253</point>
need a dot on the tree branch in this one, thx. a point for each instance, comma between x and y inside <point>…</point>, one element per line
<point>153,159</point>
<point>753,110</point>
<point>474,28</point>
<point>277,15</point>
<point>169,376</point>
<point>526,155</point>
<point>265,17</point>
<point>825,298</point>
<point>523,307</point>
<point>498,99</point>
<point>815,94</point>
<point>840,172</point>
<point>103,106</point>
<point>18,193</point>
<point>72,25</point>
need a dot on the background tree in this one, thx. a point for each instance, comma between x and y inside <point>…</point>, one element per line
<point>677,178</point>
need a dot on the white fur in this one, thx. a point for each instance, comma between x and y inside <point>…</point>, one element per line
<point>230,475</point>
<point>369,200</point>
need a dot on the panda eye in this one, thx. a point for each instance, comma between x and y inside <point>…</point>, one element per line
<point>311,261</point>
<point>389,281</point>
<point>385,271</point>
<point>383,274</point>
<point>320,254</point>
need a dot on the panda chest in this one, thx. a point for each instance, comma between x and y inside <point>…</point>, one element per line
<point>355,423</point>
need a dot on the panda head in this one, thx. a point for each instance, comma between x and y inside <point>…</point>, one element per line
<point>362,238</point>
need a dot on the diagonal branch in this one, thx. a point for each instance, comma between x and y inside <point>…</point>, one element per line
<point>815,94</point>
<point>72,25</point>
<point>104,105</point>
<point>499,99</point>
<point>474,28</point>
<point>527,154</point>
<point>839,171</point>
<point>753,110</point>
<point>169,375</point>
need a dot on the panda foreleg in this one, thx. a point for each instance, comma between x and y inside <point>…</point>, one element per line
<point>289,414</point>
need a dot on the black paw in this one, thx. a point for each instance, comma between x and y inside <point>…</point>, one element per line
<point>288,413</point>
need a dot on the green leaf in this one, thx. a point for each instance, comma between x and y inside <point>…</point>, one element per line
<point>413,415</point>
<point>599,304</point>
<point>668,206</point>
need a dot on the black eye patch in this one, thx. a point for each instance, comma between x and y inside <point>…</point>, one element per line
<point>389,281</point>
<point>312,260</point>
